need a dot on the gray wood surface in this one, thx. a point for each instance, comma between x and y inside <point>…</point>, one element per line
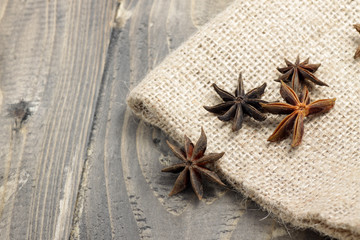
<point>52,55</point>
<point>81,166</point>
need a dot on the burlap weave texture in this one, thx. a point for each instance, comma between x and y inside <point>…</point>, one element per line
<point>315,185</point>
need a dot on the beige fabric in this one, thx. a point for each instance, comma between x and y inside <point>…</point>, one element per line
<point>316,185</point>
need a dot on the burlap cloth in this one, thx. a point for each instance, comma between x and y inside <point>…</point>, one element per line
<point>316,185</point>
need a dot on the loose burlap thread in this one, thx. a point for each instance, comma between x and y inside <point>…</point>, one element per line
<point>316,185</point>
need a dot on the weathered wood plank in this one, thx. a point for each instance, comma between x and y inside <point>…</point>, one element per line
<point>124,194</point>
<point>53,55</point>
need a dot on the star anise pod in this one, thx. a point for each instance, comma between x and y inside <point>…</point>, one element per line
<point>297,72</point>
<point>193,165</point>
<point>357,53</point>
<point>298,108</point>
<point>235,106</point>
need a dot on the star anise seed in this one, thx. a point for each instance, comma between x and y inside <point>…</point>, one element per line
<point>357,53</point>
<point>193,165</point>
<point>235,106</point>
<point>297,72</point>
<point>298,108</point>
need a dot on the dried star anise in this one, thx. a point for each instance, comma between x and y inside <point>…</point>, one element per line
<point>297,72</point>
<point>234,106</point>
<point>297,108</point>
<point>357,53</point>
<point>193,165</point>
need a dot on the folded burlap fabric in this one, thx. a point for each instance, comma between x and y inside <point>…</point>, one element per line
<point>316,185</point>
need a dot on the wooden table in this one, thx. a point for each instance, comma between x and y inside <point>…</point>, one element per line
<point>81,165</point>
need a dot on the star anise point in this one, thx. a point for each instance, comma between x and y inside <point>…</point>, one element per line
<point>357,52</point>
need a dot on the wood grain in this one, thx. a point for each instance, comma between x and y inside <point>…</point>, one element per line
<point>53,55</point>
<point>123,193</point>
